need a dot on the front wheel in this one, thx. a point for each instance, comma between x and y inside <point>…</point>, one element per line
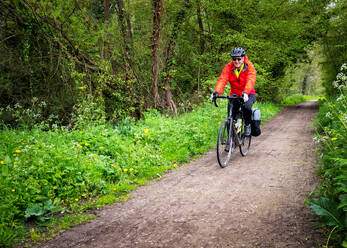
<point>245,142</point>
<point>225,144</point>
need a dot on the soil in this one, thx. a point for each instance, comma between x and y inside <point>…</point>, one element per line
<point>256,201</point>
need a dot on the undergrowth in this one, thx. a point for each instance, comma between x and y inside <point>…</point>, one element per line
<point>297,98</point>
<point>46,174</point>
<point>330,204</point>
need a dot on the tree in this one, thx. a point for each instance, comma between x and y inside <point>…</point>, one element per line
<point>157,9</point>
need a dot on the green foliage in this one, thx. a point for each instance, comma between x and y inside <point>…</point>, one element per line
<point>329,211</point>
<point>67,53</point>
<point>295,99</point>
<point>331,203</point>
<point>334,44</point>
<point>43,172</point>
<point>8,236</point>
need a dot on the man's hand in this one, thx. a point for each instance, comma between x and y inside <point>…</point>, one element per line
<point>214,95</point>
<point>245,96</point>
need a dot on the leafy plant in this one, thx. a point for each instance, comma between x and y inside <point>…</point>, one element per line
<point>331,203</point>
<point>329,211</point>
<point>8,236</point>
<point>41,211</point>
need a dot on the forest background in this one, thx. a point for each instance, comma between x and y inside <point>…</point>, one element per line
<point>84,84</point>
<point>126,56</point>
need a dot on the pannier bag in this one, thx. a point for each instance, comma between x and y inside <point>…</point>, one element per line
<point>255,124</point>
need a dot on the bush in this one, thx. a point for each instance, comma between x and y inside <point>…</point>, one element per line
<point>331,203</point>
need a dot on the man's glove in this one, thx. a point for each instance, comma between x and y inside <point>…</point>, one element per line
<point>214,95</point>
<point>245,96</point>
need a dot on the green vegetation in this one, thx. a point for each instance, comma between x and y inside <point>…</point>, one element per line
<point>78,76</point>
<point>334,44</point>
<point>68,53</point>
<point>331,202</point>
<point>46,173</point>
<point>297,98</point>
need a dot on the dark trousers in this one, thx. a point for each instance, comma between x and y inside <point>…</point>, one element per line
<point>247,110</point>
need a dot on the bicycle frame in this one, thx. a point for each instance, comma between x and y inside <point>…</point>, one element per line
<point>230,116</point>
<point>231,131</point>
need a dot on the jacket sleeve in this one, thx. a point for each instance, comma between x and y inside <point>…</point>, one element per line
<point>223,80</point>
<point>251,77</point>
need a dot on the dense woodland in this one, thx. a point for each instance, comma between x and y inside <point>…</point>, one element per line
<point>72,69</point>
<point>117,58</point>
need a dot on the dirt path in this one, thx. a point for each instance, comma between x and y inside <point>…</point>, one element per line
<point>257,201</point>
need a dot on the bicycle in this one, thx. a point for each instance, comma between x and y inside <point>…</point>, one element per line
<point>228,141</point>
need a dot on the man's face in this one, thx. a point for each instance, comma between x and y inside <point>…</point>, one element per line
<point>238,61</point>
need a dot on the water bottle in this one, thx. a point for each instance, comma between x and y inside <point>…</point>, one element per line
<point>238,125</point>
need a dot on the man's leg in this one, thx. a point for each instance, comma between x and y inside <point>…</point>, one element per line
<point>248,109</point>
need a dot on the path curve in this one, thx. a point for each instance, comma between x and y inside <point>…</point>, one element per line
<point>257,201</point>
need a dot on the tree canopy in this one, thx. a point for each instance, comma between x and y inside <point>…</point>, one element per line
<point>127,56</point>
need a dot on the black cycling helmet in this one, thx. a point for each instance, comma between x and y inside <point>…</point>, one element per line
<point>237,52</point>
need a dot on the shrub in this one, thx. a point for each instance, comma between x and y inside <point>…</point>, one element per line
<point>331,203</point>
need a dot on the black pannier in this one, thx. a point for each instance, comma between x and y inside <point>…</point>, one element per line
<point>255,124</point>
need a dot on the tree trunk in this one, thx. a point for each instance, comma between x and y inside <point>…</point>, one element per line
<point>201,37</point>
<point>125,51</point>
<point>201,28</point>
<point>157,8</point>
<point>107,48</point>
<point>106,16</point>
<point>169,55</point>
<point>128,53</point>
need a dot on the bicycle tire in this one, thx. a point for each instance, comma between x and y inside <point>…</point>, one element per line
<point>245,143</point>
<point>224,154</point>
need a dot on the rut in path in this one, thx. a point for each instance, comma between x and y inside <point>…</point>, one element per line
<point>257,201</point>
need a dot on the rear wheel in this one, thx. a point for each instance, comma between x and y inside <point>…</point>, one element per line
<point>225,144</point>
<point>245,142</point>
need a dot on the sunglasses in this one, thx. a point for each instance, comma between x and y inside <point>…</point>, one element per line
<point>239,59</point>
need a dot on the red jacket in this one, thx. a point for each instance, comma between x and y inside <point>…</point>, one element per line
<point>244,83</point>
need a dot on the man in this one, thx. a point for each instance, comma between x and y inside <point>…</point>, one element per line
<point>242,75</point>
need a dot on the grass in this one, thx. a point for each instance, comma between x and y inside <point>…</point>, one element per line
<point>47,174</point>
<point>297,98</point>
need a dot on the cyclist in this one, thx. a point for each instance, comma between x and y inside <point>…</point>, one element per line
<point>242,76</point>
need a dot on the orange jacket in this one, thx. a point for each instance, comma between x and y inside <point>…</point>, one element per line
<point>244,83</point>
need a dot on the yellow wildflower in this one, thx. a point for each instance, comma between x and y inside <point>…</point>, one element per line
<point>125,169</point>
<point>14,154</point>
<point>131,169</point>
<point>17,151</point>
<point>2,162</point>
<point>13,190</point>
<point>76,199</point>
<point>174,165</point>
<point>145,131</point>
<point>333,138</point>
<point>218,122</point>
<point>86,144</point>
